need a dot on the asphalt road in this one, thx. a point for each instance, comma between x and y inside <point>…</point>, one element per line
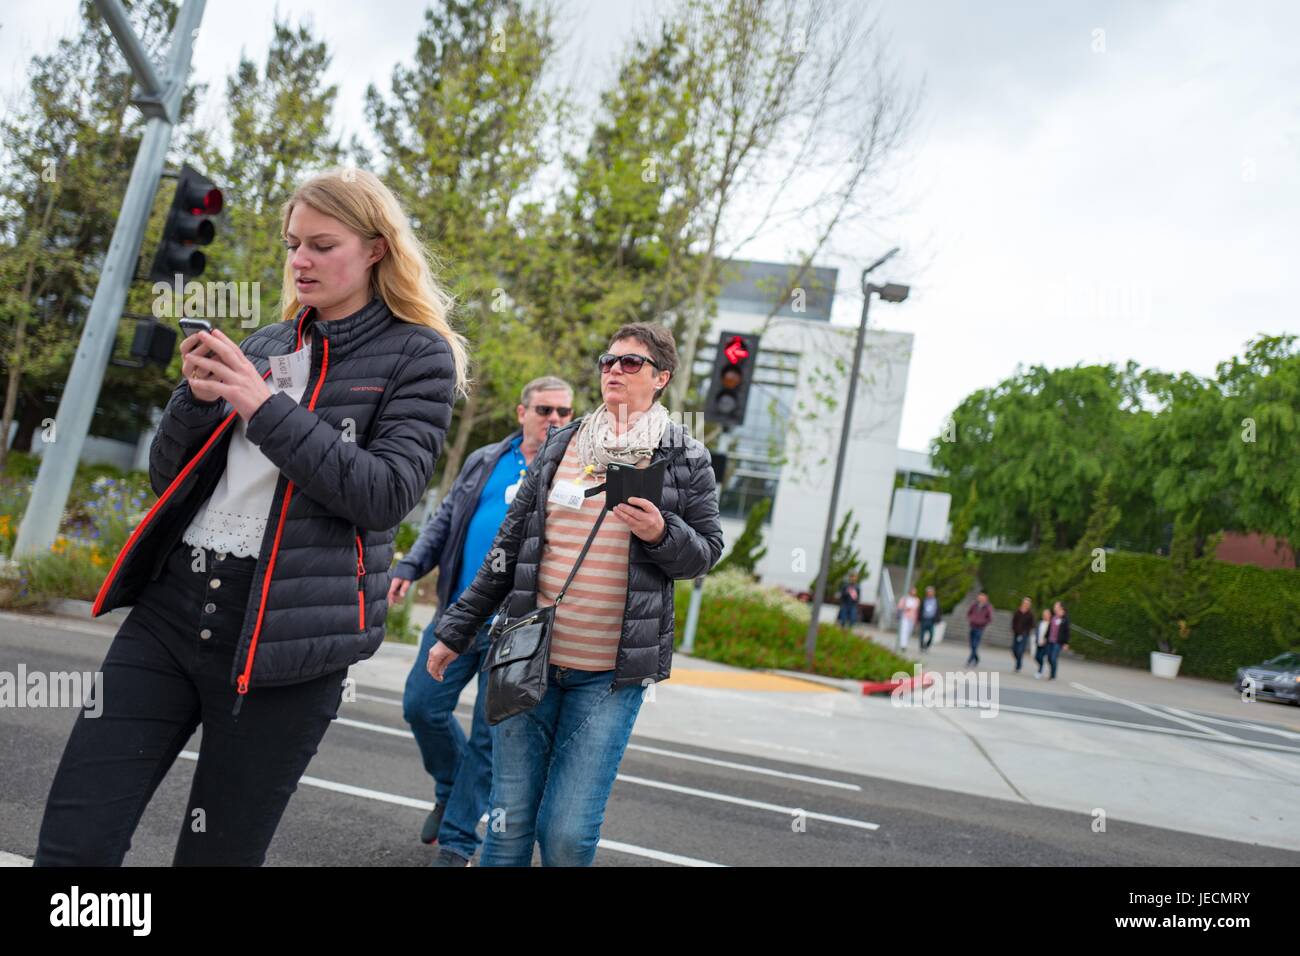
<point>365,795</point>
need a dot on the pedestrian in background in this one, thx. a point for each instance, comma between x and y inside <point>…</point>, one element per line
<point>1022,628</point>
<point>1058,635</point>
<point>930,614</point>
<point>1040,653</point>
<point>848,602</point>
<point>979,615</point>
<point>909,611</point>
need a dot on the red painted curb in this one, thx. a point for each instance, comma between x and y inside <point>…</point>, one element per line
<point>883,687</point>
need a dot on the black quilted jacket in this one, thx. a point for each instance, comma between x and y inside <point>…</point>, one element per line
<point>354,457</point>
<point>691,545</point>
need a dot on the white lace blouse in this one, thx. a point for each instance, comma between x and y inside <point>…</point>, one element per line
<point>234,518</point>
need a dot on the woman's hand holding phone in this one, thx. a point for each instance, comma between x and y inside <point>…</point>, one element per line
<point>222,371</point>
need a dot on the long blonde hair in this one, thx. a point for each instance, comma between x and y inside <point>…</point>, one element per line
<point>403,278</point>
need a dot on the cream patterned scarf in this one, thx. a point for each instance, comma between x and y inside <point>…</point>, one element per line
<point>599,446</point>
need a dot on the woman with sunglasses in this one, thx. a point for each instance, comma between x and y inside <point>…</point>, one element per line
<point>553,767</point>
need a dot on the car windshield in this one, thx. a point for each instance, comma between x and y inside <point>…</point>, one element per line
<point>1286,661</point>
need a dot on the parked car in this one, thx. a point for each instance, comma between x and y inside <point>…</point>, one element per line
<point>1278,679</point>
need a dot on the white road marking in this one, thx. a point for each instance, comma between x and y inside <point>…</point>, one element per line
<point>744,766</point>
<point>1148,728</point>
<point>742,801</point>
<point>1244,725</point>
<point>426,805</point>
<point>1153,712</point>
<point>376,728</point>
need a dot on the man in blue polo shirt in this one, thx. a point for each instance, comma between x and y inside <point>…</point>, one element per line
<point>456,539</point>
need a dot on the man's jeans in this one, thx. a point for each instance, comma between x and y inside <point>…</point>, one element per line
<point>975,634</point>
<point>461,769</point>
<point>1018,644</point>
<point>927,632</point>
<point>553,768</point>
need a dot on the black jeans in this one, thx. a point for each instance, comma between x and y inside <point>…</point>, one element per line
<point>168,671</point>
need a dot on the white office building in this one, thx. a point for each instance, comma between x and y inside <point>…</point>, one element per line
<point>786,449</point>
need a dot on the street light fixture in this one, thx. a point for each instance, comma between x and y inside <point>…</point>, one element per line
<point>890,292</point>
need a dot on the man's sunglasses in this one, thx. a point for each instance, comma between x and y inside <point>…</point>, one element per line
<point>545,410</point>
<point>630,363</point>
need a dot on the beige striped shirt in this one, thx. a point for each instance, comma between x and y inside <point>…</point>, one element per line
<point>590,619</point>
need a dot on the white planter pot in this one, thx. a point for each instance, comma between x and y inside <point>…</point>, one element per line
<point>1165,665</point>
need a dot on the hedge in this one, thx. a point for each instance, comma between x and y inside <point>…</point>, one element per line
<point>1257,620</point>
<point>748,625</point>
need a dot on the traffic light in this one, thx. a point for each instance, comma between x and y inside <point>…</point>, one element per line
<point>189,225</point>
<point>733,371</point>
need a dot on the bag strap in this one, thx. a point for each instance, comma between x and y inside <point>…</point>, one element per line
<point>590,538</point>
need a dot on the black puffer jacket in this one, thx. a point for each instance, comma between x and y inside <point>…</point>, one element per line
<point>691,545</point>
<point>442,539</point>
<point>354,459</point>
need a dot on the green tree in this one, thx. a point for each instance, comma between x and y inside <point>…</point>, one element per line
<point>947,566</point>
<point>845,558</point>
<point>1181,598</point>
<point>1037,445</point>
<point>1055,573</point>
<point>748,549</point>
<point>68,146</point>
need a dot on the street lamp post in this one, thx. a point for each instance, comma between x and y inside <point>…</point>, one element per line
<point>891,292</point>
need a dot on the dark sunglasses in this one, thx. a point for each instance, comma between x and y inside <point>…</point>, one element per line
<point>630,363</point>
<point>545,410</point>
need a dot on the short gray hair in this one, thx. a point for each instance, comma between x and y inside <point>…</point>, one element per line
<point>544,384</point>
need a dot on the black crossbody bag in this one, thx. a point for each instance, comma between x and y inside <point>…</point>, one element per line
<point>520,650</point>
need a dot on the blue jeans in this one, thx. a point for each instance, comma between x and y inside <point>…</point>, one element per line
<point>848,615</point>
<point>461,769</point>
<point>1018,644</point>
<point>1053,652</point>
<point>553,768</point>
<point>975,634</point>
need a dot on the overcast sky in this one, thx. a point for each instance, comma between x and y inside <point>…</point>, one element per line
<point>1087,182</point>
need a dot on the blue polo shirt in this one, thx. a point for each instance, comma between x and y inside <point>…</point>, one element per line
<point>488,515</point>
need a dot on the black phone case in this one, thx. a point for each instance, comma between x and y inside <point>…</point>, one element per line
<point>626,481</point>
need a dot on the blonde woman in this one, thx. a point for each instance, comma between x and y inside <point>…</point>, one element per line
<point>283,466</point>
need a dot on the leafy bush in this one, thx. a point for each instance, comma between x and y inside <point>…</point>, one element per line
<point>1258,609</point>
<point>749,625</point>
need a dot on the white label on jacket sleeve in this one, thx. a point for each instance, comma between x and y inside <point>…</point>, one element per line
<point>566,494</point>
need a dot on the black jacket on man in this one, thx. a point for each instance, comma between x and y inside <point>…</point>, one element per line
<point>691,545</point>
<point>442,539</point>
<point>354,458</point>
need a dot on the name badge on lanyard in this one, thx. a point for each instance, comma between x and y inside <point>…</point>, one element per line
<point>513,490</point>
<point>567,494</point>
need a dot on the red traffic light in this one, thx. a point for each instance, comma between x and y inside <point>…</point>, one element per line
<point>210,204</point>
<point>735,350</point>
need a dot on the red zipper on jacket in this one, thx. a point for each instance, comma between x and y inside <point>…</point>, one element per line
<point>361,593</point>
<point>157,506</point>
<point>242,685</point>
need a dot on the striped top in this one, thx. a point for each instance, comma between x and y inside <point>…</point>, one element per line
<point>590,619</point>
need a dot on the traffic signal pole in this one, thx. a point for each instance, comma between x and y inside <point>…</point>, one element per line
<point>160,99</point>
<point>810,642</point>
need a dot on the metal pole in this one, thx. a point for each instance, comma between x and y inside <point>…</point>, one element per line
<point>59,458</point>
<point>911,552</point>
<point>692,617</point>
